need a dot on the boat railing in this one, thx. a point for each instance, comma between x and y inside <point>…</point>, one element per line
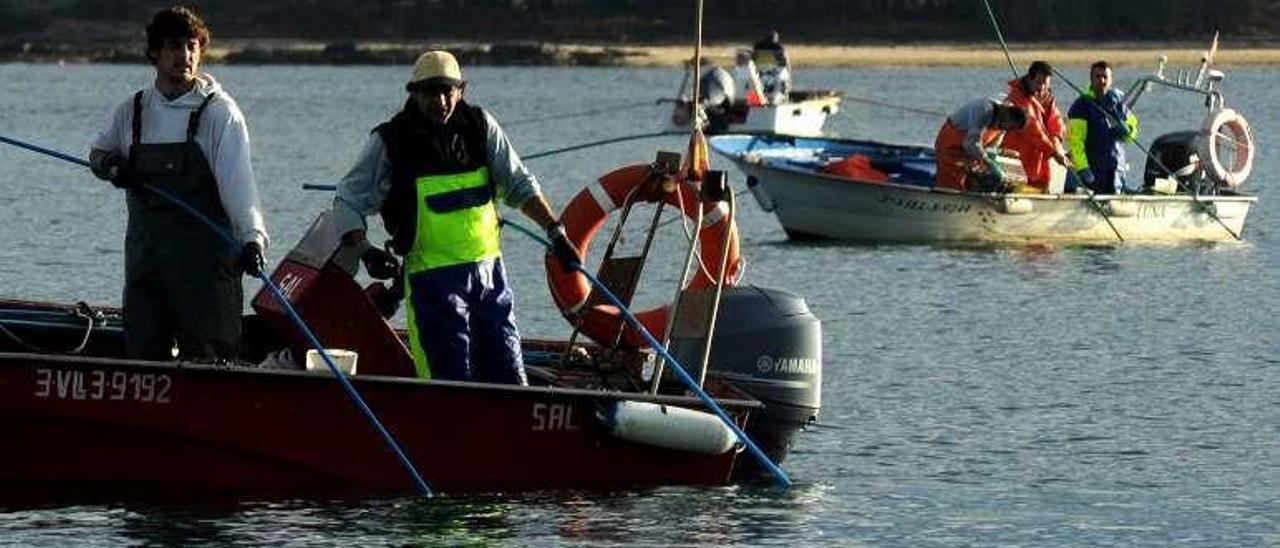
<point>1202,84</point>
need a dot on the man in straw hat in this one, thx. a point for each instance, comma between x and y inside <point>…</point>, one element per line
<point>435,172</point>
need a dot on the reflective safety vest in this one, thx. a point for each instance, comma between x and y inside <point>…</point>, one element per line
<point>440,210</point>
<point>457,221</point>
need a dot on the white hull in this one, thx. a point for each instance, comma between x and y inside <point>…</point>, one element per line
<point>818,205</point>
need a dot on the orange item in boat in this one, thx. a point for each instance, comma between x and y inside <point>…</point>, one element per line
<point>857,167</point>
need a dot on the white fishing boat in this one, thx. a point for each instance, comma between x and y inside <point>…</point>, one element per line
<point>878,192</point>
<point>803,113</point>
<point>736,103</point>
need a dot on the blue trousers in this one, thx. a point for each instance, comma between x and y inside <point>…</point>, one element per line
<point>462,324</point>
<point>1108,180</point>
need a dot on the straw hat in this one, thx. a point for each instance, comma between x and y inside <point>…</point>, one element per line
<point>436,67</point>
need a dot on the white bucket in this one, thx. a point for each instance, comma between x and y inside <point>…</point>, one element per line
<point>344,359</point>
<point>1164,185</point>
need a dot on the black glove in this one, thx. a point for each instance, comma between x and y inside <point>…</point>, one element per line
<point>251,259</point>
<point>380,264</point>
<point>562,248</point>
<point>115,169</point>
<point>386,300</point>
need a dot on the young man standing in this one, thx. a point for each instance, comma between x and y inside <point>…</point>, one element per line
<point>185,136</point>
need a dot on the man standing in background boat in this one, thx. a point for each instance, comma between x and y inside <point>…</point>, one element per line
<point>771,61</point>
<point>435,172</point>
<point>1041,139</point>
<point>186,136</point>
<point>1098,125</point>
<point>963,162</point>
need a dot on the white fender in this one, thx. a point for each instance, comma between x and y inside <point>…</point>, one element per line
<point>1016,206</point>
<point>1227,125</point>
<point>670,427</point>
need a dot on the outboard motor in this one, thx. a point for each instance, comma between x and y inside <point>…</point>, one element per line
<point>768,344</point>
<point>1177,153</point>
<point>716,87</point>
<point>716,90</point>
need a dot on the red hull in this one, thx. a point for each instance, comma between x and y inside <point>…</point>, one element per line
<point>121,427</point>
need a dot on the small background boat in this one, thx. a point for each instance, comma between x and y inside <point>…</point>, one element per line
<point>865,190</point>
<point>804,113</point>
<point>892,199</point>
<point>732,105</point>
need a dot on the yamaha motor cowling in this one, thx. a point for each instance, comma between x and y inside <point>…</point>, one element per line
<point>768,344</point>
<point>1174,157</point>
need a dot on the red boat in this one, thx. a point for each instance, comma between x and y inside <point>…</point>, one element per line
<point>86,425</point>
<point>80,421</point>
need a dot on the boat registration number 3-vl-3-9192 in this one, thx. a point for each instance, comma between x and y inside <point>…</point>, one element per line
<point>96,384</point>
<point>553,416</point>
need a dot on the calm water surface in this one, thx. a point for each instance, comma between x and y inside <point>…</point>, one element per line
<point>1023,396</point>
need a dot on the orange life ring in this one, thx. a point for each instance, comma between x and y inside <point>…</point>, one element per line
<point>583,217</point>
<point>1226,129</point>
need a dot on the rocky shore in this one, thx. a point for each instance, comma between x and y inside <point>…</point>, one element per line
<point>269,52</point>
<point>533,53</point>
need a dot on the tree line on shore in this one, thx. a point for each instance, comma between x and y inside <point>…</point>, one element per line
<point>660,21</point>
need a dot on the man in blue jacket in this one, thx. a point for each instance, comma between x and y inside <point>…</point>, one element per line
<point>1098,125</point>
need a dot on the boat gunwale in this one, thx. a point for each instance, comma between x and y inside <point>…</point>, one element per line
<point>202,368</point>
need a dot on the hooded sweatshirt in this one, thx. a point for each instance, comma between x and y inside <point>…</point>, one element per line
<point>223,137</point>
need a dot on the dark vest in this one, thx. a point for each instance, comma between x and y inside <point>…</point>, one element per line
<point>417,147</point>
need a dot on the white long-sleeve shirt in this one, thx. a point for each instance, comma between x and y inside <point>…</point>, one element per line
<point>222,135</point>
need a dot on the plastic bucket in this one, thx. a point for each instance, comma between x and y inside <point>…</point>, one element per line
<point>344,359</point>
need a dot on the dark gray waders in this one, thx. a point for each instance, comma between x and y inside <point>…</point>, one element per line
<point>181,280</point>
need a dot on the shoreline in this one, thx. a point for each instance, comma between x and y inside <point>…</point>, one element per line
<point>288,51</point>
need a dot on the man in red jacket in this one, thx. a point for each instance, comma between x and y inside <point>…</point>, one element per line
<point>1040,140</point>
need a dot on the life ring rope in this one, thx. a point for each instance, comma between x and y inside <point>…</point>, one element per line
<point>720,211</point>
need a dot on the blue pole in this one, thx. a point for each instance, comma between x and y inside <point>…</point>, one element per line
<point>676,366</point>
<point>418,482</point>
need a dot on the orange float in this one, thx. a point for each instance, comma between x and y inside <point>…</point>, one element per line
<point>585,215</point>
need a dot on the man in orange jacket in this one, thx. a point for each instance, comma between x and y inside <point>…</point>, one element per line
<point>1040,140</point>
